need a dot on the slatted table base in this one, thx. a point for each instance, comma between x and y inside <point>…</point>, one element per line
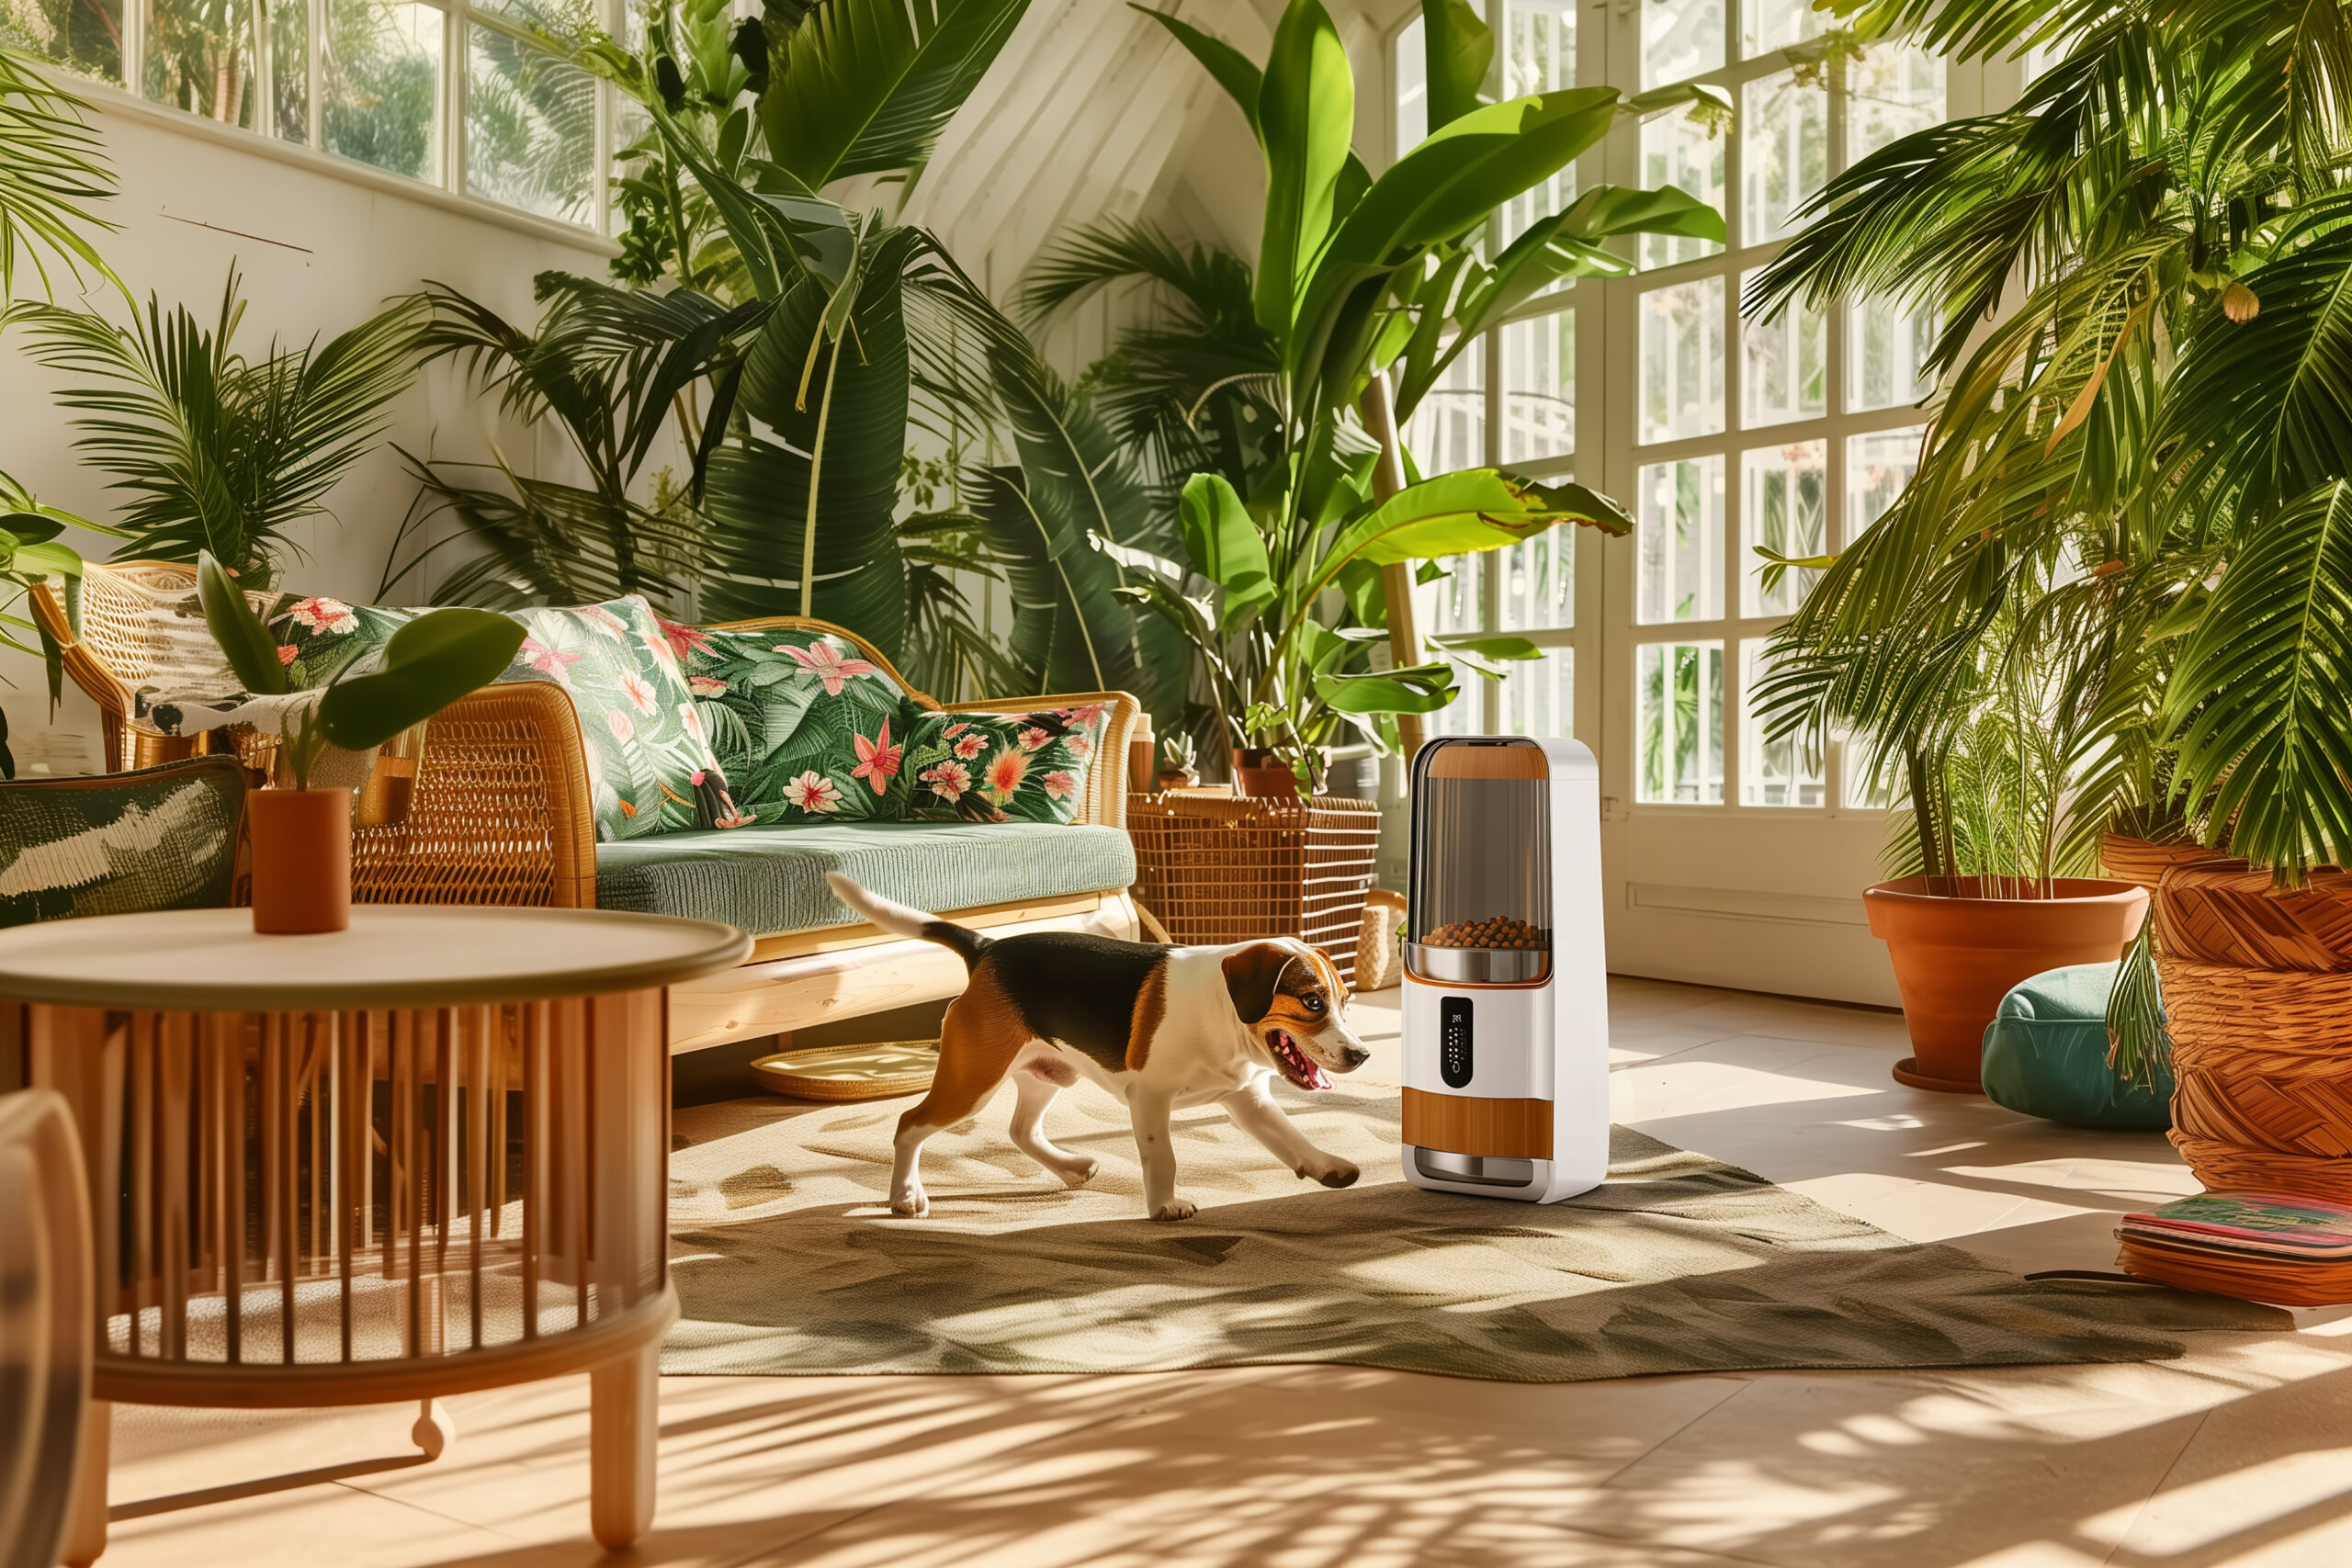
<point>299,1209</point>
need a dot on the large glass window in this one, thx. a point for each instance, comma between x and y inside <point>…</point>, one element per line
<point>373,81</point>
<point>1738,444</point>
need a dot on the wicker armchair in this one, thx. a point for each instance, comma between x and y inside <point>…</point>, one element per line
<point>489,803</point>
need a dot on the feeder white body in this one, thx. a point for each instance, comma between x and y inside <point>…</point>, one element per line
<point>1506,1047</point>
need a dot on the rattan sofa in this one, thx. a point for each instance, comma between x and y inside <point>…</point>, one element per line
<point>489,804</point>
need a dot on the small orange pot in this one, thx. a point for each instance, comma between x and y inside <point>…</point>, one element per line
<point>1260,773</point>
<point>301,859</point>
<point>1957,953</point>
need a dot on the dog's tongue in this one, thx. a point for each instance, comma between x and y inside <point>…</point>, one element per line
<point>1317,1078</point>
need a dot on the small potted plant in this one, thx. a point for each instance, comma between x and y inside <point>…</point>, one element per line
<point>301,835</point>
<point>1178,763</point>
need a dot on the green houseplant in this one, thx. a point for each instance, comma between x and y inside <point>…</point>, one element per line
<point>1275,426</point>
<point>301,835</point>
<point>2144,457</point>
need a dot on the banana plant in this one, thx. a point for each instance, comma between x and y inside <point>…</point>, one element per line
<point>1358,277</point>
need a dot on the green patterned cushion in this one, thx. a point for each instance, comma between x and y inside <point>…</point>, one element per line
<point>1000,767</point>
<point>773,879</point>
<point>650,763</point>
<point>162,838</point>
<point>650,768</point>
<point>806,727</point>
<point>320,638</point>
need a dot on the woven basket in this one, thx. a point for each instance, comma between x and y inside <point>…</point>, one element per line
<point>2262,1065</point>
<point>2143,861</point>
<point>1221,870</point>
<point>2228,912</point>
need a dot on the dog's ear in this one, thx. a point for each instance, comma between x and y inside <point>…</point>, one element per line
<point>1249,976</point>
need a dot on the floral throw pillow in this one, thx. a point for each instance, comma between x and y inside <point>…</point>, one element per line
<point>1002,767</point>
<point>318,640</point>
<point>806,727</point>
<point>650,763</point>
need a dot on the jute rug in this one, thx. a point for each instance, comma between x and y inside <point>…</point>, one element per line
<point>789,1261</point>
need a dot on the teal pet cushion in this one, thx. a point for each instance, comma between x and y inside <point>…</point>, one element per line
<point>2045,1054</point>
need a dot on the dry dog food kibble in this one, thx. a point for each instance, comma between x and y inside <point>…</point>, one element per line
<point>1500,931</point>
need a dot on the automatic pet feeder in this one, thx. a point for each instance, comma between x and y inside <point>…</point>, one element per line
<point>1506,990</point>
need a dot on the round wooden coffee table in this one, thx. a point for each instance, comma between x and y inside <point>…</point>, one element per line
<point>423,1156</point>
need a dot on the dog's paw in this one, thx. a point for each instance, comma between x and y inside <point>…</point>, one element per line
<point>914,1204</point>
<point>1338,1174</point>
<point>1078,1172</point>
<point>1176,1209</point>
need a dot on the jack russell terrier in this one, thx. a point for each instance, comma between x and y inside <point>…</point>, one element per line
<point>1161,1028</point>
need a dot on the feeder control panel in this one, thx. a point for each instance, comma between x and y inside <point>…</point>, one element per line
<point>1454,1059</point>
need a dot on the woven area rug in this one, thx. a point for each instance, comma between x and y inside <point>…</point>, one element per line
<point>788,1261</point>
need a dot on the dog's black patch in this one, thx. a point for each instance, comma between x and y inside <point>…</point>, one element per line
<point>1075,988</point>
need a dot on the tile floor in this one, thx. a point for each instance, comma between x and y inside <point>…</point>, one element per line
<point>2240,1453</point>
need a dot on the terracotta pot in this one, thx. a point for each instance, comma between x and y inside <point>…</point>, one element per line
<point>1257,772</point>
<point>1178,778</point>
<point>1956,953</point>
<point>301,859</point>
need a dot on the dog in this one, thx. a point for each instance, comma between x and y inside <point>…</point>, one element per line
<point>1162,1028</point>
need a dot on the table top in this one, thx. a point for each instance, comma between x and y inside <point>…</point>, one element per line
<point>393,955</point>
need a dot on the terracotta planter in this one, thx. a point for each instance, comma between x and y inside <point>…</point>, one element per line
<point>1258,773</point>
<point>1178,778</point>
<point>1957,953</point>
<point>301,859</point>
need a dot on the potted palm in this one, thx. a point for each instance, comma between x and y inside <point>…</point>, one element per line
<point>301,830</point>
<point>1267,415</point>
<point>2140,466</point>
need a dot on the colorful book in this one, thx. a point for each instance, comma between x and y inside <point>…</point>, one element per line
<point>2250,1224</point>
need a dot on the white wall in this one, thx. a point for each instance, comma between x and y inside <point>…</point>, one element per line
<point>319,249</point>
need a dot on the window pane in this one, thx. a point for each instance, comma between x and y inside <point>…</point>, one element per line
<point>1448,430</point>
<point>1466,713</point>
<point>82,36</point>
<point>1447,605</point>
<point>1886,351</point>
<point>1892,90</point>
<point>1539,582</point>
<point>1768,25</point>
<point>200,58</point>
<point>1539,696</point>
<point>1783,508</point>
<point>289,67</point>
<point>1680,38</point>
<point>1540,388</point>
<point>1784,365</point>
<point>1682,360</point>
<point>1785,127</point>
<point>1877,467</point>
<point>1679,722</point>
<point>530,127</point>
<point>1680,531</point>
<point>383,77</point>
<point>1539,56</point>
<point>1412,88</point>
<point>1786,771</point>
<point>1864,791</point>
<point>1678,150</point>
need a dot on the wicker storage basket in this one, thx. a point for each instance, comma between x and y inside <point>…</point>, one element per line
<point>2257,987</point>
<point>1224,869</point>
<point>2143,861</point>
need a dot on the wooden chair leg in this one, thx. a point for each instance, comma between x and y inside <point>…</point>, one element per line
<point>433,1431</point>
<point>86,1521</point>
<point>624,1425</point>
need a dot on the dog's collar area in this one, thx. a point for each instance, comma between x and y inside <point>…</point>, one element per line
<point>1294,1063</point>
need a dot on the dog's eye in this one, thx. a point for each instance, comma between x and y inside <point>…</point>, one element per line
<point>1314,1004</point>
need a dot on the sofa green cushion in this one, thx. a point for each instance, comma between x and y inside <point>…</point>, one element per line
<point>162,838</point>
<point>773,879</point>
<point>2045,1054</point>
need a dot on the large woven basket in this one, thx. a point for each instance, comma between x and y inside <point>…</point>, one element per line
<point>2144,861</point>
<point>2257,987</point>
<point>1220,869</point>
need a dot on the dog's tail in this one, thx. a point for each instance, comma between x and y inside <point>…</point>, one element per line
<point>966,944</point>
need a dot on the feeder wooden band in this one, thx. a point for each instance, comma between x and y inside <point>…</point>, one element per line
<point>1470,1124</point>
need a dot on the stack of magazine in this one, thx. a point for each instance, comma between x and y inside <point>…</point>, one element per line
<point>2262,1247</point>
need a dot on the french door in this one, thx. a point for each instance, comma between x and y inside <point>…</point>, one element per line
<point>1728,859</point>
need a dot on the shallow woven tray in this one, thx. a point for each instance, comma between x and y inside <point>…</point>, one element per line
<point>851,1072</point>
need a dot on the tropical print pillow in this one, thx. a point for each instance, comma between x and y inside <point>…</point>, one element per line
<point>806,727</point>
<point>1002,767</point>
<point>650,767</point>
<point>318,640</point>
